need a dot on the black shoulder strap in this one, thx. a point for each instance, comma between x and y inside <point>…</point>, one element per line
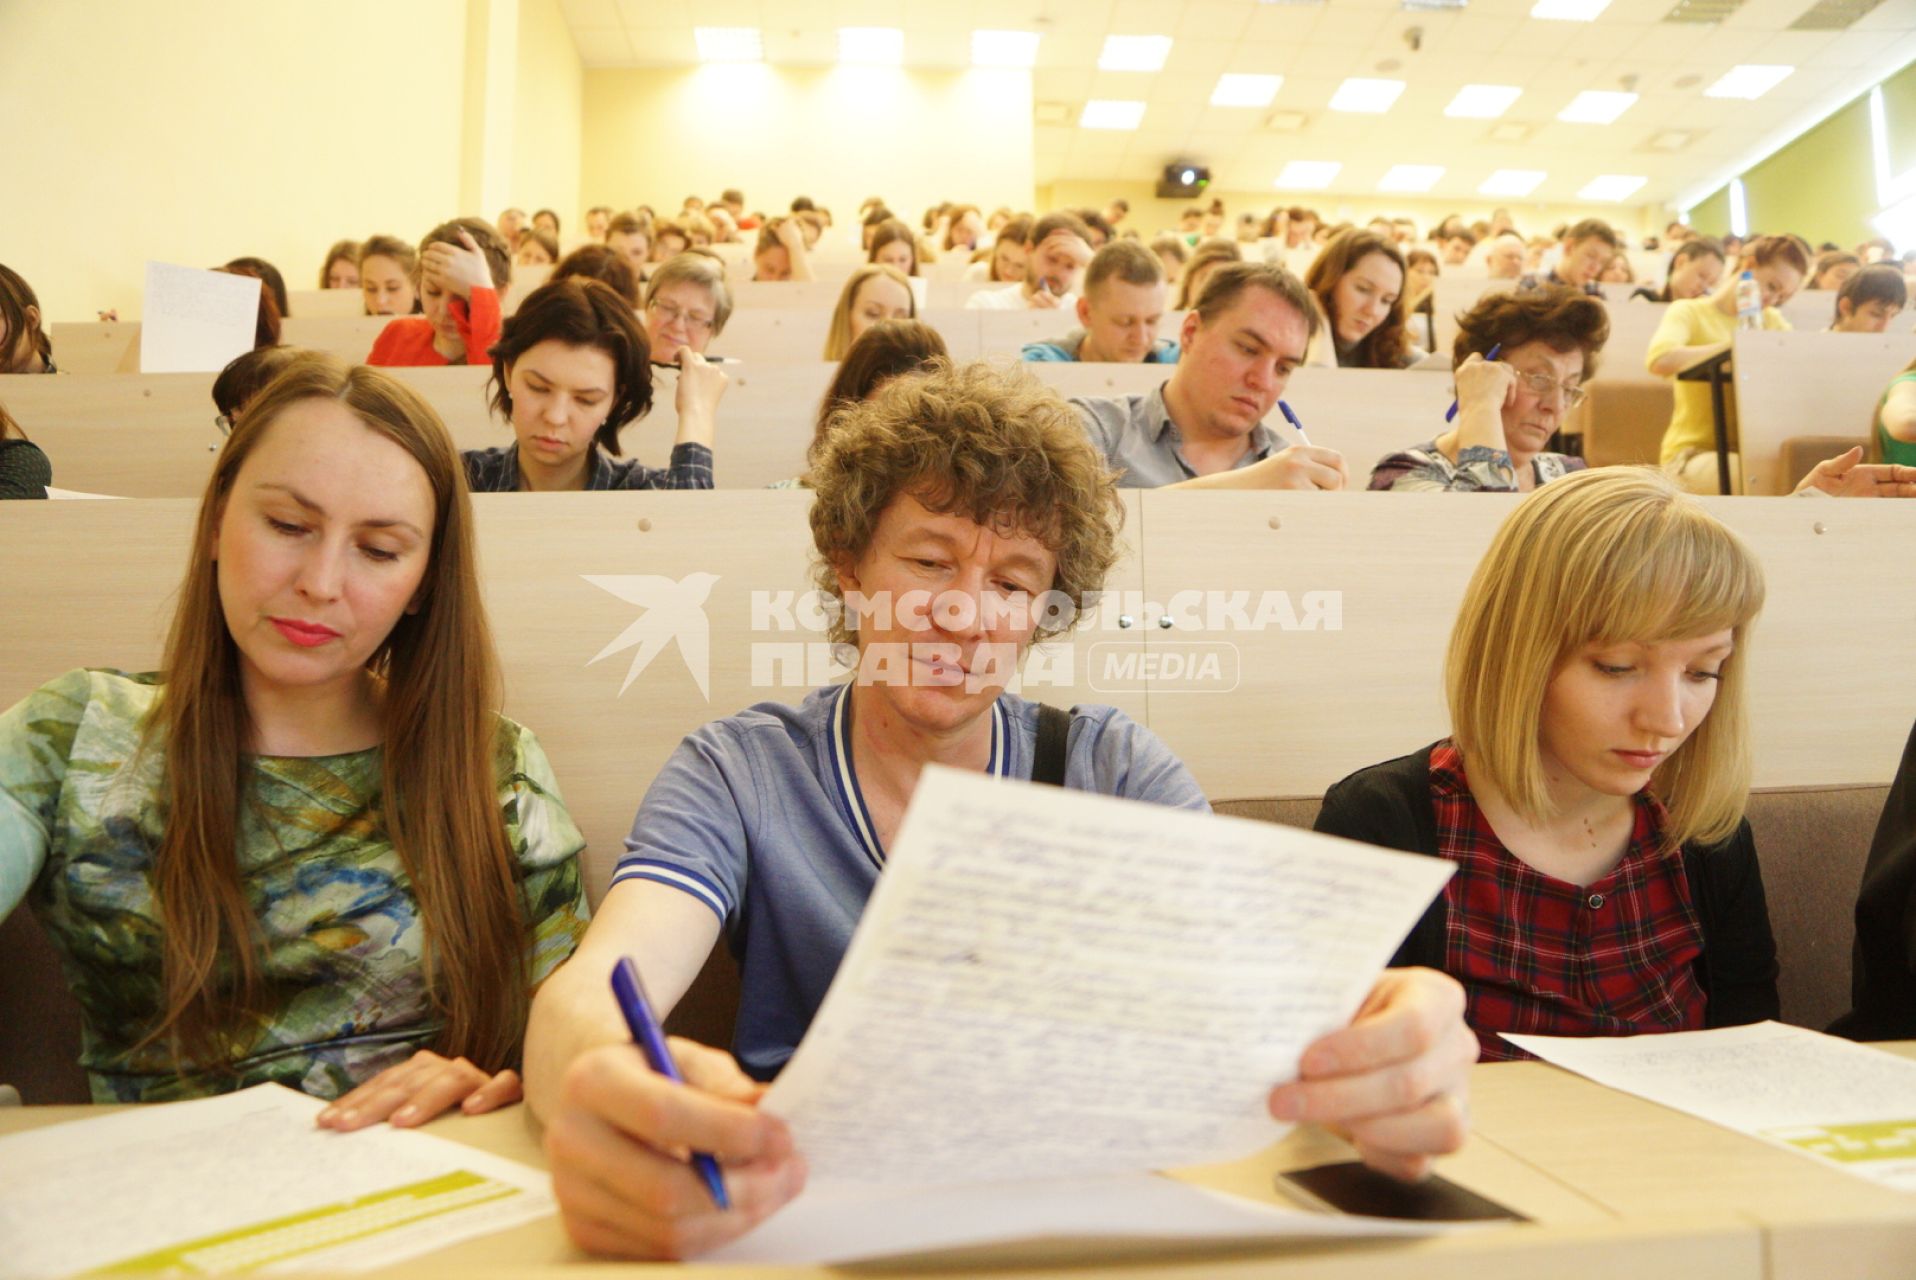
<point>1047,761</point>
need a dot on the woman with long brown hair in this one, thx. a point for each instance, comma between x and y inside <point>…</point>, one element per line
<point>1359,283</point>
<point>308,850</point>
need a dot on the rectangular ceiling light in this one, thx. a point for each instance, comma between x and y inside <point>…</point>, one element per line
<point>1004,48</point>
<point>1411,177</point>
<point>1569,10</point>
<point>1512,182</point>
<point>1134,53</point>
<point>1308,175</point>
<point>1613,187</point>
<point>729,44</point>
<point>1110,113</point>
<point>1748,81</point>
<point>1483,101</point>
<point>871,46</point>
<point>1370,97</point>
<point>1597,106</point>
<point>1245,90</point>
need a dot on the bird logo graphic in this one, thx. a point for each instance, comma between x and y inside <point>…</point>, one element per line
<point>673,610</point>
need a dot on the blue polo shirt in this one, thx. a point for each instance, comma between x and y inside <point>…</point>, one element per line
<point>759,817</point>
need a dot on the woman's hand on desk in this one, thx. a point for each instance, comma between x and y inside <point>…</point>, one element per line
<point>619,1143</point>
<point>1394,1082</point>
<point>420,1088</point>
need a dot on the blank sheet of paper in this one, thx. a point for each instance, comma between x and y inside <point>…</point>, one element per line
<point>1051,983</point>
<point>848,1223</point>
<point>195,321</point>
<point>1845,1103</point>
<point>242,1181</point>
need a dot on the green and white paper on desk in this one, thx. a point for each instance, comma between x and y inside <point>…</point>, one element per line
<point>1847,1104</point>
<point>243,1181</point>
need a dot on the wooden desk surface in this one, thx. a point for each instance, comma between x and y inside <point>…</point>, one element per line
<point>1616,1187</point>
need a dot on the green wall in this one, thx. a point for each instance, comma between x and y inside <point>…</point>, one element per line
<point>1823,185</point>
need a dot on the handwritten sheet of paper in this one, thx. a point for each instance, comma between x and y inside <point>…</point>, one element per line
<point>1053,983</point>
<point>195,321</point>
<point>242,1181</point>
<point>838,1223</point>
<point>1844,1103</point>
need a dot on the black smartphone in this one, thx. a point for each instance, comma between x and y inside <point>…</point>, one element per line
<point>1352,1187</point>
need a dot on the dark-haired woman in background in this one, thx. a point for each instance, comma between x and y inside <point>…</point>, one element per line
<point>266,271</point>
<point>1508,408</point>
<point>883,352</point>
<point>604,264</point>
<point>1695,269</point>
<point>571,369</point>
<point>24,470</point>
<point>341,268</point>
<point>1359,281</point>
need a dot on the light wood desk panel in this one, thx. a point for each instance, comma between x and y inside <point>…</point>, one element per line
<point>1571,1237</point>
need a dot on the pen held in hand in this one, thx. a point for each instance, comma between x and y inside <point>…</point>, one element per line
<point>1291,418</point>
<point>650,1039</point>
<point>1450,415</point>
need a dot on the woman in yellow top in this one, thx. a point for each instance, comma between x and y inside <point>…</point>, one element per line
<point>1697,328</point>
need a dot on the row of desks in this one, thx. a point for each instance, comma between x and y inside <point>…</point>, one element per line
<point>1614,1186</point>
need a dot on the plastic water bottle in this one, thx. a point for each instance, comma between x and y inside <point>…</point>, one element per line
<point>1749,302</point>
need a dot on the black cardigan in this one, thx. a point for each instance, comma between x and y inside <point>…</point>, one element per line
<point>1883,982</point>
<point>1389,805</point>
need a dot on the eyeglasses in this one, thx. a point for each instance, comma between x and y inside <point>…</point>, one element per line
<point>694,322</point>
<point>1542,384</point>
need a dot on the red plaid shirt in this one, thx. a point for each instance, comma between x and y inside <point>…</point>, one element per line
<point>1544,956</point>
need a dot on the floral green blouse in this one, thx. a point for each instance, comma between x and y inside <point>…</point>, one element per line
<point>340,934</point>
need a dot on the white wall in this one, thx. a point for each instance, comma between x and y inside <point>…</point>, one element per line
<point>548,106</point>
<point>836,134</point>
<point>196,131</point>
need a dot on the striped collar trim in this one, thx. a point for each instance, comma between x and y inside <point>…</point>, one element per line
<point>838,741</point>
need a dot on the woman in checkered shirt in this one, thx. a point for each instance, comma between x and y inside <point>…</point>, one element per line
<point>1592,790</point>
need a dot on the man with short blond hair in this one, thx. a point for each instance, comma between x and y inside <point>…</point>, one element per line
<point>1122,304</point>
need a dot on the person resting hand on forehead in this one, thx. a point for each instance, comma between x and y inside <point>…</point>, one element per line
<point>1059,252</point>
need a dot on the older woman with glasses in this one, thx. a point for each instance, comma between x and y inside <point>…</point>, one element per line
<point>687,303</point>
<point>1520,362</point>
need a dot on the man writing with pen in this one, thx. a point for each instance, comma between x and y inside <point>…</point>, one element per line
<point>1204,427</point>
<point>960,515</point>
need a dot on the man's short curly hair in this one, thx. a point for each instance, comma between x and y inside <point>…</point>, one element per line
<point>993,445</point>
<point>1567,319</point>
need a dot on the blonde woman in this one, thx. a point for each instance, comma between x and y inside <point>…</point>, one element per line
<point>872,293</point>
<point>1591,792</point>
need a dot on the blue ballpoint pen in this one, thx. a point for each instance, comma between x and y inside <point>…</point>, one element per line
<point>1450,415</point>
<point>651,1041</point>
<point>1291,418</point>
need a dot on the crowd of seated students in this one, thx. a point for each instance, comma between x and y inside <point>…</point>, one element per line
<point>330,639</point>
<point>1590,794</point>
